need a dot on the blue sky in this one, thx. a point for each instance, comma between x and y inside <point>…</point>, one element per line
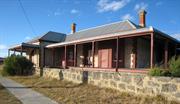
<point>57,15</point>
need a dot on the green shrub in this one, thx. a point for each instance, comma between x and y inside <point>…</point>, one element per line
<point>156,72</point>
<point>17,65</point>
<point>174,66</point>
<point>166,72</point>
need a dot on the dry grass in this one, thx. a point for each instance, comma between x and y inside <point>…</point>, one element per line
<point>70,93</point>
<point>6,97</point>
<point>1,68</point>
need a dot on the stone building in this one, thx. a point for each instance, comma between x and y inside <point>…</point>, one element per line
<point>116,46</point>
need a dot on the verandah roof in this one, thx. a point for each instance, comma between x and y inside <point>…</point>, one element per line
<point>22,46</point>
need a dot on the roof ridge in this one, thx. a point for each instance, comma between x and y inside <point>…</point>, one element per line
<point>132,24</point>
<point>102,26</point>
<point>56,32</point>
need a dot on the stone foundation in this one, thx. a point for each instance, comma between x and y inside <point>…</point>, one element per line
<point>129,82</point>
<point>37,71</point>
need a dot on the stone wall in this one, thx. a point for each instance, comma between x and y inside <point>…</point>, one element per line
<point>129,82</point>
<point>37,71</point>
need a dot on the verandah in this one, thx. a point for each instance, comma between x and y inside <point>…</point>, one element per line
<point>111,53</point>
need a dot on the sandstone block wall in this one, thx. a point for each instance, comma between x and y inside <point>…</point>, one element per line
<point>37,71</point>
<point>129,82</point>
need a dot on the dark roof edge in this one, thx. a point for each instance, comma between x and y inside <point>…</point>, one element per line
<point>133,24</point>
<point>24,44</point>
<point>166,35</point>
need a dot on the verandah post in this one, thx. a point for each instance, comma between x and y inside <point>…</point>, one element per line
<point>75,54</point>
<point>117,54</point>
<point>175,49</point>
<point>53,52</point>
<point>44,61</point>
<point>65,57</point>
<point>166,54</point>
<point>152,51</point>
<point>21,50</point>
<point>93,48</point>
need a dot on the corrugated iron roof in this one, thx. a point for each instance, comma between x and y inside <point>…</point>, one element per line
<point>124,33</point>
<point>102,30</point>
<point>50,36</point>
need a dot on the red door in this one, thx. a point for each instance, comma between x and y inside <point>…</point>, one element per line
<point>105,58</point>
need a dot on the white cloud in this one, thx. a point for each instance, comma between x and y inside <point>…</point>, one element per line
<point>2,46</point>
<point>74,11</point>
<point>27,38</point>
<point>140,6</point>
<point>111,5</point>
<point>176,36</point>
<point>159,3</point>
<point>57,13</point>
<point>127,17</point>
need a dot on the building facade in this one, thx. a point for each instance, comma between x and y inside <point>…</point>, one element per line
<point>119,46</point>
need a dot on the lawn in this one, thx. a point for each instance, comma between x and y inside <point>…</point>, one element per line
<point>70,93</point>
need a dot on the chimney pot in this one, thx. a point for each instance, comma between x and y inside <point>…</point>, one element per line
<point>142,18</point>
<point>73,28</point>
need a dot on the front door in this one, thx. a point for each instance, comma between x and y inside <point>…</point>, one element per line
<point>105,58</point>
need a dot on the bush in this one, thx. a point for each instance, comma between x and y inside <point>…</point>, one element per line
<point>174,66</point>
<point>156,72</point>
<point>166,72</point>
<point>17,65</point>
<point>173,69</point>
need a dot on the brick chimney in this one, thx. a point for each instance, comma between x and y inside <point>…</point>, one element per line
<point>73,28</point>
<point>142,18</point>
